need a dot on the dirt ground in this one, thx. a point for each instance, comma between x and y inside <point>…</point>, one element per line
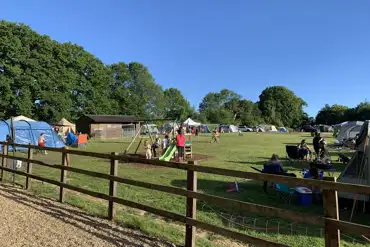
<point>26,220</point>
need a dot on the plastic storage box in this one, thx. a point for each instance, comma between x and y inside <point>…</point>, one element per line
<point>304,196</point>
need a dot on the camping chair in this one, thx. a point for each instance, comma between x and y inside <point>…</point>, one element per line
<point>293,154</point>
<point>284,191</point>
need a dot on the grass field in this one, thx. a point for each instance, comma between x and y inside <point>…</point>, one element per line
<point>233,152</point>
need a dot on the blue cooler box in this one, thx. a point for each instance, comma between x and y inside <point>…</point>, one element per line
<point>304,196</point>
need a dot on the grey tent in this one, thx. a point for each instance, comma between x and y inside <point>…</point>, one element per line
<point>324,128</point>
<point>204,128</point>
<point>357,170</point>
<point>348,130</point>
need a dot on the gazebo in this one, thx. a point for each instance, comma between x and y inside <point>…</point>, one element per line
<point>65,126</point>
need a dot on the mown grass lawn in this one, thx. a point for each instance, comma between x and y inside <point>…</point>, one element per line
<point>233,152</point>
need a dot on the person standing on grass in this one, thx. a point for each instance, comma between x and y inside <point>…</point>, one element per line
<point>41,141</point>
<point>316,143</point>
<point>180,143</point>
<point>215,136</point>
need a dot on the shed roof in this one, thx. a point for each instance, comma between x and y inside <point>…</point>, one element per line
<point>113,119</point>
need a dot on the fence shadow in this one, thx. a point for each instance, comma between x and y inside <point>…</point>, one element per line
<point>108,232</point>
<point>252,192</point>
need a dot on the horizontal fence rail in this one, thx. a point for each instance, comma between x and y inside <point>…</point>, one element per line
<point>330,219</point>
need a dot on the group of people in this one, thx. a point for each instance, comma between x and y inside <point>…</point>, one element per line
<point>319,145</point>
<point>180,140</point>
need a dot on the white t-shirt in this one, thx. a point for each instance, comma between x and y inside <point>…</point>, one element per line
<point>165,143</point>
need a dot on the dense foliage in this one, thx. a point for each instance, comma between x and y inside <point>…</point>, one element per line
<point>338,113</point>
<point>47,80</point>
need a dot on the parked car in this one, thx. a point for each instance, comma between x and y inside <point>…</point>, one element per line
<point>308,128</point>
<point>244,128</point>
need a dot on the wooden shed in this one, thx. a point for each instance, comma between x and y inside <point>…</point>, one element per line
<point>108,126</point>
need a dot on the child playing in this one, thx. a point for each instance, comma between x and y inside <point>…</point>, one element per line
<point>41,142</point>
<point>165,144</point>
<point>156,145</point>
<point>240,133</point>
<point>148,150</point>
<point>180,143</point>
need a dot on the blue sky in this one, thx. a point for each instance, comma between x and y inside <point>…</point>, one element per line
<point>318,49</point>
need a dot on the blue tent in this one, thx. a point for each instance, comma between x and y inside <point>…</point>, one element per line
<point>28,133</point>
<point>283,129</point>
<point>71,139</point>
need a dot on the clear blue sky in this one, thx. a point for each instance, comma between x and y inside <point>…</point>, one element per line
<point>318,49</point>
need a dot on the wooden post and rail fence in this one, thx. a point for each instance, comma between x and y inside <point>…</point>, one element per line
<point>330,220</point>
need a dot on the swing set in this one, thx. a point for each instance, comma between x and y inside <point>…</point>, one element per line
<point>145,128</point>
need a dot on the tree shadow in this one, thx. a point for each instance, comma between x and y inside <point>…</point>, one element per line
<point>290,165</point>
<point>108,232</point>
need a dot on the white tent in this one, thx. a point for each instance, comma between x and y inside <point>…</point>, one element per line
<point>23,118</point>
<point>233,128</point>
<point>191,122</point>
<point>348,130</point>
<point>228,128</point>
<point>357,170</point>
<point>273,128</point>
<point>267,127</point>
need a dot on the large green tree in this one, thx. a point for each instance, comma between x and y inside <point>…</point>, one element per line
<point>220,107</point>
<point>146,94</point>
<point>175,105</point>
<point>332,114</point>
<point>281,106</point>
<point>48,80</point>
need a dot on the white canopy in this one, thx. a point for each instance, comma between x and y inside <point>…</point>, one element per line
<point>191,122</point>
<point>20,118</point>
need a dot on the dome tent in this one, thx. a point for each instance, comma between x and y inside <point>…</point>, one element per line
<point>28,133</point>
<point>357,169</point>
<point>348,130</point>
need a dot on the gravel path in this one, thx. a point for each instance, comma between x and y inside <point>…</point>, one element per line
<point>26,220</point>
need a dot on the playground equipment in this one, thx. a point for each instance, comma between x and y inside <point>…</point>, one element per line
<point>169,153</point>
<point>188,146</point>
<point>146,128</point>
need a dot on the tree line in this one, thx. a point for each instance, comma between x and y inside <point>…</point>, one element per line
<point>335,114</point>
<point>47,80</point>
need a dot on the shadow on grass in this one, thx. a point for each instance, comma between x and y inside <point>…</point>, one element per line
<point>81,220</point>
<point>252,192</point>
<point>290,165</point>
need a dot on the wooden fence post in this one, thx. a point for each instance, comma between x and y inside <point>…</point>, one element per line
<point>63,174</point>
<point>191,206</point>
<point>330,199</point>
<point>3,161</point>
<point>112,186</point>
<point>29,166</point>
